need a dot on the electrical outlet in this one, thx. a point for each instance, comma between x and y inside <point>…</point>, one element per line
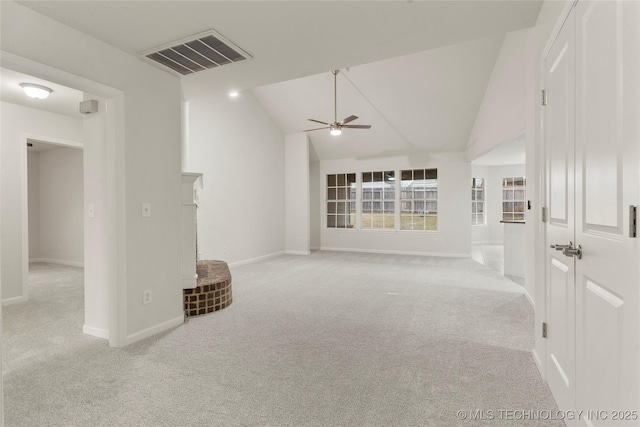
<point>146,296</point>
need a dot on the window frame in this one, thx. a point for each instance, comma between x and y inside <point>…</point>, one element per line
<point>427,199</point>
<point>340,190</point>
<point>475,202</point>
<point>510,191</point>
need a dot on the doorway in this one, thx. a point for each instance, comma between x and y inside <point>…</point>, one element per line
<point>103,163</point>
<point>591,135</point>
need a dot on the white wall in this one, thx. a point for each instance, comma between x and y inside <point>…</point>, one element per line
<point>502,113</point>
<point>18,122</point>
<point>33,181</point>
<point>61,206</point>
<point>240,152</point>
<point>493,230</point>
<point>146,137</point>
<point>297,217</point>
<point>453,237</point>
<point>315,204</point>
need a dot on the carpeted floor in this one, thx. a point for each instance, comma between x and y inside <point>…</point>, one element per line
<point>332,339</point>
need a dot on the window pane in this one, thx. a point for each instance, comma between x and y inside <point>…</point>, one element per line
<point>367,177</point>
<point>377,176</point>
<point>422,213</point>
<point>340,187</point>
<point>519,207</point>
<point>507,207</point>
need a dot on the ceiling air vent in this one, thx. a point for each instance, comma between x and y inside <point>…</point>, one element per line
<point>197,53</point>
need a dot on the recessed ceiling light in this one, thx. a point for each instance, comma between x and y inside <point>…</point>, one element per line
<point>35,91</point>
<point>233,93</point>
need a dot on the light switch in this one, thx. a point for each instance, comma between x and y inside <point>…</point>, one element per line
<point>91,210</point>
<point>146,210</point>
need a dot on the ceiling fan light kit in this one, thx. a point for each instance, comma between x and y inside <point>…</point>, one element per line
<point>335,128</point>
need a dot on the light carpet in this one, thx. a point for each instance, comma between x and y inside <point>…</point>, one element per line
<point>330,339</point>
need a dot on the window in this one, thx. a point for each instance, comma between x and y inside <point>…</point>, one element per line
<point>419,199</point>
<point>341,200</point>
<point>477,201</point>
<point>513,198</point>
<point>378,200</point>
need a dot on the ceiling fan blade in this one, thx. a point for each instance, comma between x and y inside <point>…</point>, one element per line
<point>309,130</point>
<point>347,120</point>
<point>318,121</point>
<point>356,126</point>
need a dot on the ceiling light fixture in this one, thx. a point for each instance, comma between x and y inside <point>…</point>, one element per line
<point>36,91</point>
<point>233,93</point>
<point>335,130</point>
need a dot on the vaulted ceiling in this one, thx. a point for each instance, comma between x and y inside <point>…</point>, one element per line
<point>415,70</point>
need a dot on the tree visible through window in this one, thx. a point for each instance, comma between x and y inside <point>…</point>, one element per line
<point>513,198</point>
<point>341,200</point>
<point>419,199</point>
<point>477,201</point>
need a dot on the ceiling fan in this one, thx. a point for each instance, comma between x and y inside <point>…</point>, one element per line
<point>336,126</point>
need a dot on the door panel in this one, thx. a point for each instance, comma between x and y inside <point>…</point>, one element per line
<point>560,279</point>
<point>607,138</point>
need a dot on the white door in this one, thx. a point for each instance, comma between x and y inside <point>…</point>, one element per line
<point>560,270</point>
<point>593,314</point>
<point>607,140</point>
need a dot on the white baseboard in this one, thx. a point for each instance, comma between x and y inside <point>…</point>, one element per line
<point>95,332</point>
<point>169,324</point>
<point>488,242</point>
<point>297,252</point>
<point>14,300</point>
<point>190,283</point>
<point>383,251</point>
<point>57,261</point>
<point>531,301</point>
<point>536,359</point>
<point>256,259</point>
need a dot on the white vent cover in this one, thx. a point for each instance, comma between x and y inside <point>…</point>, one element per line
<point>197,53</point>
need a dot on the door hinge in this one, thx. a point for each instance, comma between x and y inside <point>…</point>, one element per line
<point>633,221</point>
<point>544,214</point>
<point>544,98</point>
<point>544,329</point>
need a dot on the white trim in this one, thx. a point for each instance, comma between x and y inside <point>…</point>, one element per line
<point>488,242</point>
<point>382,251</point>
<point>95,332</point>
<point>256,259</point>
<point>537,361</point>
<point>14,300</point>
<point>531,301</point>
<point>190,283</point>
<point>297,252</point>
<point>146,333</point>
<point>57,261</point>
